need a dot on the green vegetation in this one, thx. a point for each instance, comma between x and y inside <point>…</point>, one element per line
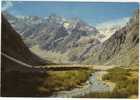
<point>42,84</point>
<point>126,84</point>
<point>64,80</point>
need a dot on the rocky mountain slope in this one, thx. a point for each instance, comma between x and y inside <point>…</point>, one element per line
<point>53,33</point>
<point>19,25</point>
<point>108,28</point>
<point>13,46</point>
<point>18,79</point>
<point>122,48</point>
<point>81,42</point>
<point>64,35</point>
<point>22,23</point>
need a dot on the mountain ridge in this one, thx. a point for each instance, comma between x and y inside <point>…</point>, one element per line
<point>17,48</point>
<point>122,45</point>
<point>56,32</point>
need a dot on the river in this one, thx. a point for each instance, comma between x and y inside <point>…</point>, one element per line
<point>93,84</point>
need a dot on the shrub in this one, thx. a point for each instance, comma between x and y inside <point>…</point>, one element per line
<point>125,86</point>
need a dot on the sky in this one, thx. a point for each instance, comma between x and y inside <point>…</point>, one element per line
<point>91,12</point>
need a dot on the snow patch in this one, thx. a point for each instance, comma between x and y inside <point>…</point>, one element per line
<point>110,27</point>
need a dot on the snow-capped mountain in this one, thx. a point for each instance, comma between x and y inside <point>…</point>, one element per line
<point>110,27</point>
<point>52,32</point>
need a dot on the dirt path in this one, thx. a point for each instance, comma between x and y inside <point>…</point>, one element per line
<point>16,60</point>
<point>103,67</point>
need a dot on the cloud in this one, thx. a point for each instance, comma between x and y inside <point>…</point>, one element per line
<point>6,5</point>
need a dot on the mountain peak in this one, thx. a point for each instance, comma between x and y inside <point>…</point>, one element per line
<point>54,16</point>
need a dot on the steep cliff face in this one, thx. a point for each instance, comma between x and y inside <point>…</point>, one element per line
<point>13,46</point>
<point>121,48</point>
<point>17,79</point>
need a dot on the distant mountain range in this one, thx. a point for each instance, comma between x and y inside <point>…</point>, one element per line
<point>52,33</point>
<point>106,44</point>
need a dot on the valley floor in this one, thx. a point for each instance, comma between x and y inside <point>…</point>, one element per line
<point>99,81</point>
<point>93,84</point>
<point>104,82</point>
<point>125,80</point>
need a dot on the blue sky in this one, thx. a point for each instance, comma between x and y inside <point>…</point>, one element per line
<point>90,12</point>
